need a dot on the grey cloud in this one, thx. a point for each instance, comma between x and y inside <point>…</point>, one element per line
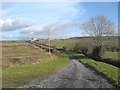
<point>57,30</point>
<point>11,25</point>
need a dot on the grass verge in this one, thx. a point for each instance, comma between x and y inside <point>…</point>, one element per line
<point>109,71</point>
<point>21,75</point>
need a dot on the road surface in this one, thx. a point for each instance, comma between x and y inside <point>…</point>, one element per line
<point>76,75</point>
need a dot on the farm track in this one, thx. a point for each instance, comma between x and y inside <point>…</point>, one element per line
<point>76,75</point>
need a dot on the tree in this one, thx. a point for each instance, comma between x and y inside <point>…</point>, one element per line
<point>97,27</point>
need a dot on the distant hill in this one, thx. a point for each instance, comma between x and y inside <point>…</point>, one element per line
<point>110,37</point>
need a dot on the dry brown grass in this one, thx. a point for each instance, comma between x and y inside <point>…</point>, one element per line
<point>21,53</point>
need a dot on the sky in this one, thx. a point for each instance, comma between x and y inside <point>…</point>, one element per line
<point>25,20</point>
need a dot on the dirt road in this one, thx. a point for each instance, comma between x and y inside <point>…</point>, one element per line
<point>76,75</point>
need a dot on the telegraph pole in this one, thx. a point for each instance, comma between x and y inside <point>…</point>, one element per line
<point>49,40</point>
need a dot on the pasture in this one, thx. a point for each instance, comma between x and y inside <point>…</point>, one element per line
<point>112,55</point>
<point>20,53</point>
<point>59,43</point>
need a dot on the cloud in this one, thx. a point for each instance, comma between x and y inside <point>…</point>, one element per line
<point>1,23</point>
<point>57,30</point>
<point>47,13</point>
<point>44,14</point>
<point>32,30</point>
<point>14,24</point>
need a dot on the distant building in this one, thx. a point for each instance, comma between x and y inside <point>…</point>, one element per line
<point>33,39</point>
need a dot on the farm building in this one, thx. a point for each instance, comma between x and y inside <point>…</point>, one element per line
<point>33,39</point>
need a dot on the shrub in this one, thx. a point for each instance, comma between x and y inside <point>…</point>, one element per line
<point>54,50</point>
<point>64,48</point>
<point>70,46</point>
<point>77,47</point>
<point>117,49</point>
<point>16,60</point>
<point>112,47</point>
<point>86,51</point>
<point>113,61</point>
<point>97,52</point>
<point>83,47</point>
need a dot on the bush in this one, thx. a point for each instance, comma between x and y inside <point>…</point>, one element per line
<point>70,46</point>
<point>54,50</point>
<point>64,48</point>
<point>16,60</point>
<point>83,47</point>
<point>77,48</point>
<point>97,52</point>
<point>117,49</point>
<point>113,61</point>
<point>112,47</point>
<point>86,51</point>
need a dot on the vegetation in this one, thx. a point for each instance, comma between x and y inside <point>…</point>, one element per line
<point>20,53</point>
<point>25,58</point>
<point>69,43</point>
<point>98,27</point>
<point>97,52</point>
<point>112,54</point>
<point>20,75</point>
<point>109,71</point>
<point>109,44</point>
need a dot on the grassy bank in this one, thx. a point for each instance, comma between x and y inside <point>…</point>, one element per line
<point>110,71</point>
<point>20,75</point>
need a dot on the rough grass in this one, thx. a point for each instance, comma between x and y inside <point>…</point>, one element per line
<point>20,50</point>
<point>0,77</point>
<point>110,71</point>
<point>21,75</point>
<point>111,55</point>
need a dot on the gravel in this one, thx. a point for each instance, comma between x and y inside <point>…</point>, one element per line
<point>76,75</point>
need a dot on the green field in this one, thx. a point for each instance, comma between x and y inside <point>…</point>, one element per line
<point>112,54</point>
<point>110,71</point>
<point>69,43</point>
<point>20,75</point>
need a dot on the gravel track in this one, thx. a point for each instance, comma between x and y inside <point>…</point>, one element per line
<point>76,75</point>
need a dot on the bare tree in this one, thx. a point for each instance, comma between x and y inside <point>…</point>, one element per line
<point>98,27</point>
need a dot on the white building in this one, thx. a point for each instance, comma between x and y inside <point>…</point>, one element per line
<point>33,39</point>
